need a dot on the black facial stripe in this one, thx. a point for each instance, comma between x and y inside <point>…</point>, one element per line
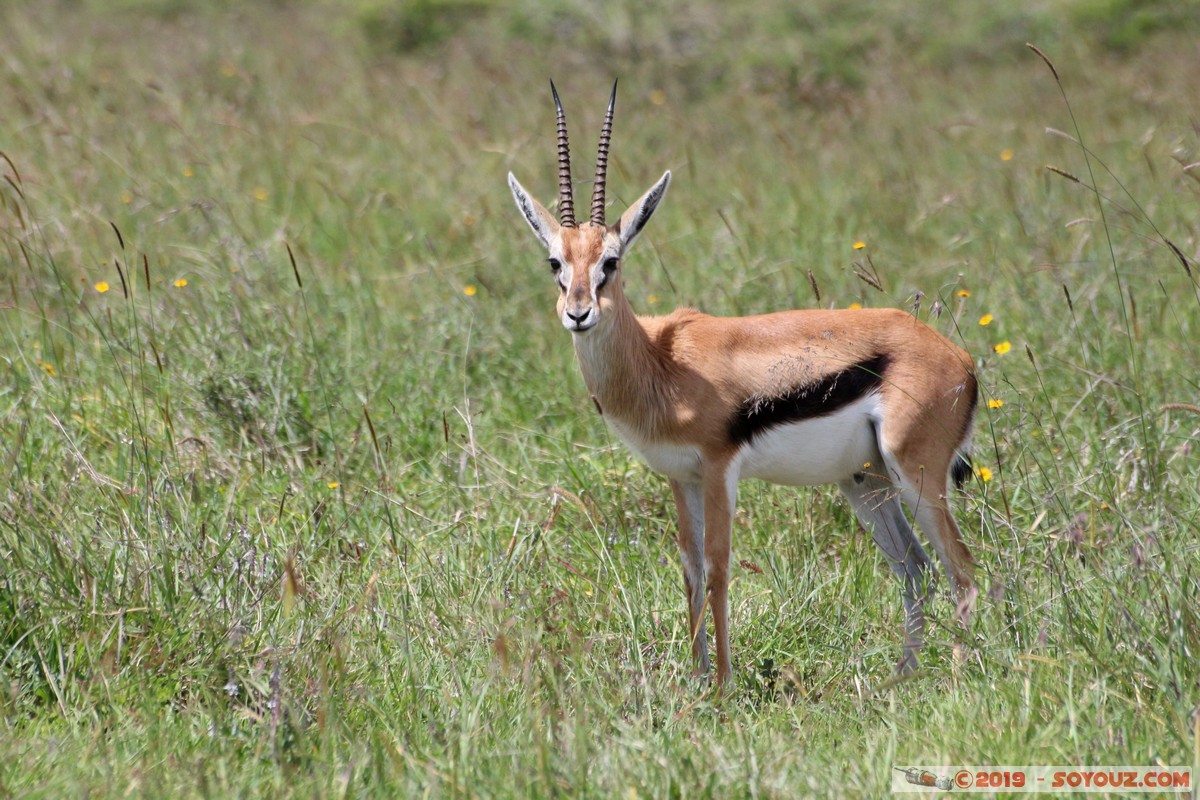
<point>810,401</point>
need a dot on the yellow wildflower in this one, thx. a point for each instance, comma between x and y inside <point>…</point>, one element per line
<point>101,287</point>
<point>986,319</point>
<point>48,367</point>
<point>333,484</point>
<point>658,97</point>
<point>260,194</point>
<point>469,290</point>
<point>855,305</point>
<point>984,474</point>
<point>964,293</point>
<point>1003,347</point>
<point>859,245</point>
<point>1006,154</point>
<point>995,402</point>
<point>180,283</point>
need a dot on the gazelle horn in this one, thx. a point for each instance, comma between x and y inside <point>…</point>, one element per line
<point>566,202</point>
<point>602,161</point>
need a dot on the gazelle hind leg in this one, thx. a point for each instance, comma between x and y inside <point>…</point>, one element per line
<point>924,492</point>
<point>876,503</point>
<point>953,552</point>
<point>689,502</point>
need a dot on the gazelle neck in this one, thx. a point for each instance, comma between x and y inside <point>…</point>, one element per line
<point>628,375</point>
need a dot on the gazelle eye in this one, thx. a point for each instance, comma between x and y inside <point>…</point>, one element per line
<point>608,267</point>
<point>555,265</point>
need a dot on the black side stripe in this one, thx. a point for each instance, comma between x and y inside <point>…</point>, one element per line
<point>810,401</point>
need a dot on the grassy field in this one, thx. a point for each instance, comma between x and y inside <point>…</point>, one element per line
<point>347,525</point>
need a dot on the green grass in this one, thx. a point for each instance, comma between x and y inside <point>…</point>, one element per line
<point>346,529</point>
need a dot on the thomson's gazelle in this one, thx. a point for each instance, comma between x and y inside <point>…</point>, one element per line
<point>872,400</point>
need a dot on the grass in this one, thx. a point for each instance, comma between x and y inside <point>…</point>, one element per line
<point>347,525</point>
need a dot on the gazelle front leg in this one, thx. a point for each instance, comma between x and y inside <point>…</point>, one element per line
<point>720,500</point>
<point>689,502</point>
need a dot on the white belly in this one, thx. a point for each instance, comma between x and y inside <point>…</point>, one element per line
<point>815,451</point>
<point>678,461</point>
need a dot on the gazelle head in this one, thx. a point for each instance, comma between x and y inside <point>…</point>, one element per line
<point>585,259</point>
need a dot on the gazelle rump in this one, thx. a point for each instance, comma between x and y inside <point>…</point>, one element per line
<point>872,400</point>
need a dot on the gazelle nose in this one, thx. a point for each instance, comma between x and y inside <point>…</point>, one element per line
<point>579,317</point>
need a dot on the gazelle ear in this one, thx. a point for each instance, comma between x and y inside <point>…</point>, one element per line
<point>543,223</point>
<point>638,214</point>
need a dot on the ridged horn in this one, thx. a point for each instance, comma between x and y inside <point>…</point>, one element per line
<point>602,161</point>
<point>566,203</point>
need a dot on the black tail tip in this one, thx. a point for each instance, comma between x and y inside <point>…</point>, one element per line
<point>960,471</point>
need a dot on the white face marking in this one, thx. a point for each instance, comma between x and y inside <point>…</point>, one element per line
<point>576,316</point>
